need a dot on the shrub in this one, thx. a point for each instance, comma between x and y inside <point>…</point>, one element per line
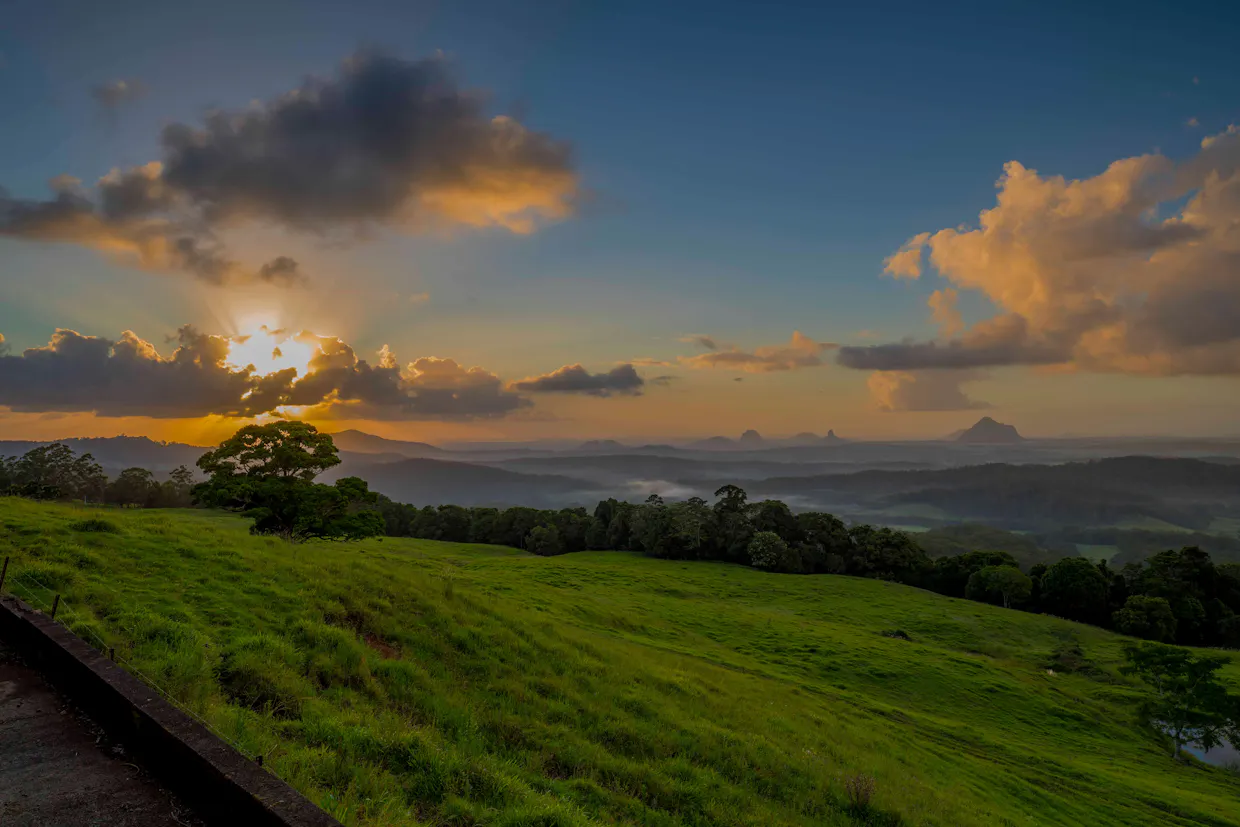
<point>860,790</point>
<point>261,672</point>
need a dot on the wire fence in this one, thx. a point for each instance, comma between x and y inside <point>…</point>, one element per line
<point>48,600</point>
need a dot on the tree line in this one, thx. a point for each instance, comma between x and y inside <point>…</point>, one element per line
<point>55,472</point>
<point>1176,596</point>
<point>267,472</point>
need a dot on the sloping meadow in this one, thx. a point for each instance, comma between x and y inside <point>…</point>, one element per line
<point>415,682</point>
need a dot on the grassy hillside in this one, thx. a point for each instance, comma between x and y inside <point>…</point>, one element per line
<point>406,682</point>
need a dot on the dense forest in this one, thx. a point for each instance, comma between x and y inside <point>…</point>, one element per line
<point>1178,596</point>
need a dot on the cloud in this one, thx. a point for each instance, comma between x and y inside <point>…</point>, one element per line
<point>704,342</point>
<point>1135,270</point>
<point>646,362</point>
<point>338,384</point>
<point>116,92</point>
<point>622,379</point>
<point>1192,122</point>
<point>281,270</point>
<point>935,390</point>
<point>906,262</point>
<point>128,377</point>
<point>943,310</point>
<point>800,352</point>
<point>1003,340</point>
<point>663,381</point>
<point>384,143</point>
<point>125,224</point>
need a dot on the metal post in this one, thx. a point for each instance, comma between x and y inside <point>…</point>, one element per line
<point>55,606</point>
<point>3,573</point>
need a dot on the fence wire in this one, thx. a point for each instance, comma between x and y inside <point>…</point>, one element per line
<point>33,588</point>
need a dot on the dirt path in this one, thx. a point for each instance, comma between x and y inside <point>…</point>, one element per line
<point>58,769</point>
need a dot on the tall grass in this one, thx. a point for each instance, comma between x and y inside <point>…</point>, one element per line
<point>412,682</point>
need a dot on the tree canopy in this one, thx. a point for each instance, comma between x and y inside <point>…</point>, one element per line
<point>266,472</point>
<point>1188,701</point>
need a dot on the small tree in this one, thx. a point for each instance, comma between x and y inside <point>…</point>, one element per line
<point>1004,584</point>
<point>1189,702</point>
<point>1147,617</point>
<point>134,486</point>
<point>768,551</point>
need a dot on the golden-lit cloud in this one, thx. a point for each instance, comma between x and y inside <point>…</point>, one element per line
<point>384,143</point>
<point>800,352</point>
<point>906,262</point>
<point>925,390</point>
<point>260,373</point>
<point>1135,270</point>
<point>943,310</point>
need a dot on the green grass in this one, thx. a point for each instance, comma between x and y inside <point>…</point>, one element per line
<point>412,682</point>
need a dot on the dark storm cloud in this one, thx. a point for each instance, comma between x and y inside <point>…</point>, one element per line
<point>385,142</point>
<point>622,379</point>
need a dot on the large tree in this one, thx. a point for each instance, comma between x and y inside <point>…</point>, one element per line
<point>1006,585</point>
<point>267,472</point>
<point>1147,617</point>
<point>1188,701</point>
<point>1075,589</point>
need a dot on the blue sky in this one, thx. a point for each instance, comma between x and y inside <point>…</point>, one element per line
<point>749,167</point>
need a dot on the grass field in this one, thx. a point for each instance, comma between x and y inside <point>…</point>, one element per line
<point>411,682</point>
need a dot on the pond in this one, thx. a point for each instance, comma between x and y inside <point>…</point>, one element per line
<point>1225,755</point>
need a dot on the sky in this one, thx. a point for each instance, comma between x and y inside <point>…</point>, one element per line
<point>499,221</point>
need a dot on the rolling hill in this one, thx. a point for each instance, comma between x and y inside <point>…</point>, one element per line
<point>412,682</point>
<point>359,442</point>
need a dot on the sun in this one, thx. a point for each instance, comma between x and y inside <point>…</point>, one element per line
<point>269,349</point>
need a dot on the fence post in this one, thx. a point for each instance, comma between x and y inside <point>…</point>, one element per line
<point>3,573</point>
<point>55,606</point>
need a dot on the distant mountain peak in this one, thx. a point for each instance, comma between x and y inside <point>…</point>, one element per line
<point>988,431</point>
<point>831,437</point>
<point>751,437</point>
